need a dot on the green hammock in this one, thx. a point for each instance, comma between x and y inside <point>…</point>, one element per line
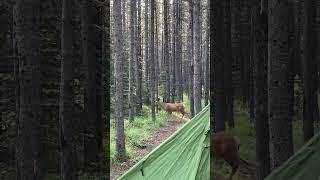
<point>303,165</point>
<point>183,156</point>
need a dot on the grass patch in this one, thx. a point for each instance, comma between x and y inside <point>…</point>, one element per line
<point>137,132</point>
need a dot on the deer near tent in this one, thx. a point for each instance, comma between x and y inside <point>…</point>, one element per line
<point>225,146</point>
<point>173,107</point>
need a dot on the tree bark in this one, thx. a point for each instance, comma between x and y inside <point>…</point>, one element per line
<point>146,54</point>
<point>260,89</point>
<point>27,43</point>
<point>191,74</point>
<point>228,65</point>
<point>177,37</point>
<point>118,51</point>
<point>196,57</point>
<point>218,96</point>
<point>132,59</point>
<point>245,50</point>
<point>67,136</point>
<point>152,63</point>
<point>166,50</point>
<point>280,122</point>
<point>90,36</point>
<point>309,69</point>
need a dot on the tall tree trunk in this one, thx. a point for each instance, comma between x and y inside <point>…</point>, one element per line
<point>138,72</point>
<point>27,43</point>
<point>118,71</point>
<point>309,69</point>
<point>191,74</point>
<point>146,54</point>
<point>177,38</point>
<point>98,44</point>
<point>156,55</point>
<point>124,21</point>
<point>236,43</point>
<point>245,50</point>
<point>217,96</point>
<point>173,55</point>
<point>228,64</point>
<point>152,63</point>
<point>196,57</point>
<point>278,83</point>
<point>67,137</point>
<point>132,59</point>
<point>206,62</point>
<point>91,35</point>
<point>260,89</point>
<point>166,50</point>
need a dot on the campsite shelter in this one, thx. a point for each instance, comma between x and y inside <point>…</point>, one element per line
<point>184,155</point>
<point>303,165</point>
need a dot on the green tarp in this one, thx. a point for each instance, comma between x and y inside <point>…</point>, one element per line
<point>184,155</point>
<point>303,165</point>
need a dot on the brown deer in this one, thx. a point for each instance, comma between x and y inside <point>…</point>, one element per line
<point>225,146</point>
<point>173,107</point>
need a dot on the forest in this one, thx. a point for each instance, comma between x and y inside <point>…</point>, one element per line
<point>92,89</point>
<point>54,65</point>
<point>264,84</point>
<point>160,54</point>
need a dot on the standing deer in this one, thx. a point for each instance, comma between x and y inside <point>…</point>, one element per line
<point>172,107</point>
<point>225,146</point>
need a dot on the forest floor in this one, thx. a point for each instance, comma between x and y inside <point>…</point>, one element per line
<point>157,137</point>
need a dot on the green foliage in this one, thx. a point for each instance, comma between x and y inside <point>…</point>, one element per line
<point>138,132</point>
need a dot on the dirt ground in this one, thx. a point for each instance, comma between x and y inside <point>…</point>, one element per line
<point>159,136</point>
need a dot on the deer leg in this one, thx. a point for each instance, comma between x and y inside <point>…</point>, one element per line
<point>234,169</point>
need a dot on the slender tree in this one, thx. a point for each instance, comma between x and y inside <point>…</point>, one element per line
<point>146,48</point>
<point>177,39</point>
<point>152,62</point>
<point>218,97</point>
<point>27,43</point>
<point>118,71</point>
<point>156,56</point>
<point>166,50</point>
<point>245,20</point>
<point>132,59</point>
<point>191,74</point>
<point>91,37</point>
<point>124,19</point>
<point>67,136</point>
<point>138,72</point>
<point>260,61</point>
<point>280,122</point>
<point>196,57</point>
<point>206,62</point>
<point>228,64</point>
<point>309,69</point>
